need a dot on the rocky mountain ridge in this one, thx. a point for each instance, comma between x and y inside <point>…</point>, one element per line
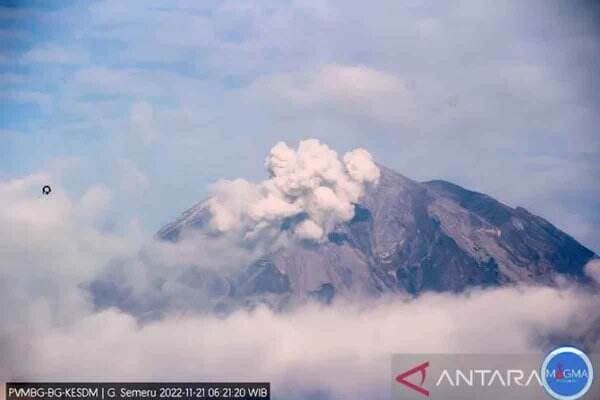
<point>405,237</point>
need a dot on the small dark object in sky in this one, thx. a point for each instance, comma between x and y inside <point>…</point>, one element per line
<point>46,190</point>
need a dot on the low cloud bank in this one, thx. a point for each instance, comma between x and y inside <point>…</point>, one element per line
<point>342,351</point>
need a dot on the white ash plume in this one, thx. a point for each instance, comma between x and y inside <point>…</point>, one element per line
<point>310,183</point>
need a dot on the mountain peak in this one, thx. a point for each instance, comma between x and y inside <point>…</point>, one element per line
<point>406,237</point>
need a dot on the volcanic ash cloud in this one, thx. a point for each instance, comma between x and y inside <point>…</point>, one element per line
<point>311,186</point>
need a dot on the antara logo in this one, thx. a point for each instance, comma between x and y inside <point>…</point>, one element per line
<point>417,388</point>
<point>483,378</point>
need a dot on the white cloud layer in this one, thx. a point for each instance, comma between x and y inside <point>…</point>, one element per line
<point>342,350</point>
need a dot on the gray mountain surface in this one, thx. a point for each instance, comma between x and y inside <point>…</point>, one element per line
<point>405,237</point>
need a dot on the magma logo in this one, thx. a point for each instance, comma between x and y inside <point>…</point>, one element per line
<point>567,373</point>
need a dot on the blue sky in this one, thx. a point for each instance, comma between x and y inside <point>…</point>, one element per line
<point>157,99</point>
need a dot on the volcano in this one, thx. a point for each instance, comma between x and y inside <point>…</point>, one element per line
<point>405,237</point>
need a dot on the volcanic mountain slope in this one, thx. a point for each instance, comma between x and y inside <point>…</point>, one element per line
<point>405,236</point>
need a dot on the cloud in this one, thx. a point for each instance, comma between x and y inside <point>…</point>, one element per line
<point>53,54</point>
<point>12,79</point>
<point>142,121</point>
<point>349,89</point>
<point>100,80</point>
<point>41,99</point>
<point>49,247</point>
<point>93,204</point>
<point>342,351</point>
<point>592,269</point>
<point>8,133</point>
<point>133,179</point>
<point>311,182</point>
